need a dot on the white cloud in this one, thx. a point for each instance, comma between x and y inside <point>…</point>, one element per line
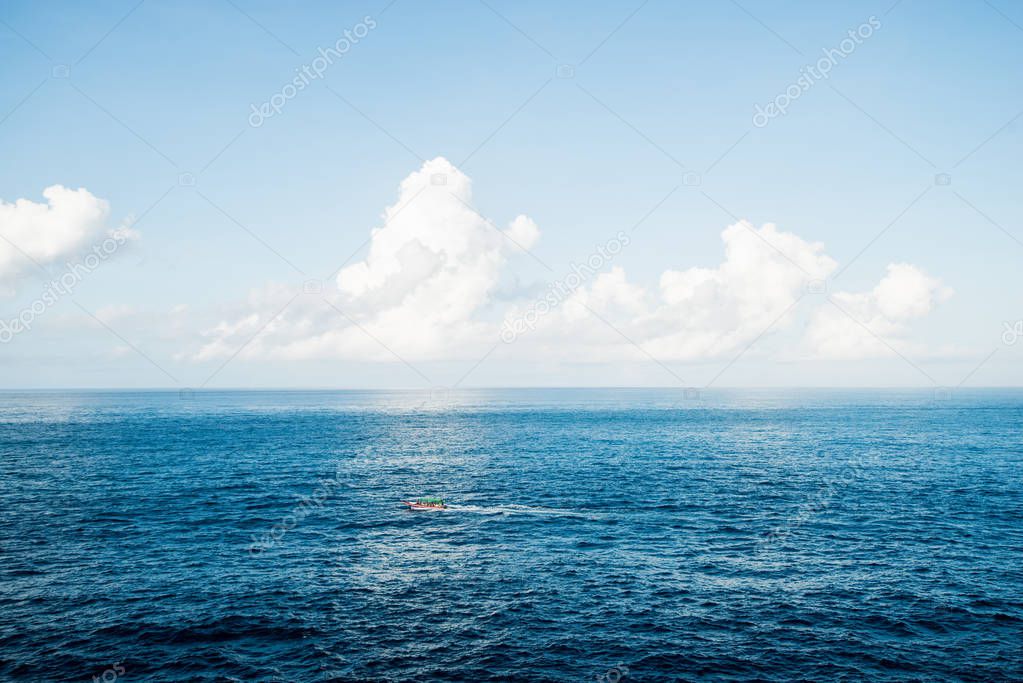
<point>904,294</point>
<point>64,226</point>
<point>707,312</point>
<point>431,268</point>
<point>697,313</point>
<point>610,292</point>
<point>428,289</point>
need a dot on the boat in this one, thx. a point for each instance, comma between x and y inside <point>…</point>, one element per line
<point>425,504</point>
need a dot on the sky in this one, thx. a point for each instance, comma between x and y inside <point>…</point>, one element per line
<point>245,193</point>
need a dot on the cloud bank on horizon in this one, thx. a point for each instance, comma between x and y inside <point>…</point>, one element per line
<point>426,291</point>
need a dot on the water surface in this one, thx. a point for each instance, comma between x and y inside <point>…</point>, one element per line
<point>256,536</point>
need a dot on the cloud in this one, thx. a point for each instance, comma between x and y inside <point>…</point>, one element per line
<point>432,266</point>
<point>696,313</point>
<point>429,289</point>
<point>904,294</point>
<point>49,233</point>
<point>707,312</point>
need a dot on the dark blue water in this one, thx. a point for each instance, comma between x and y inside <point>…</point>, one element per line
<point>607,534</point>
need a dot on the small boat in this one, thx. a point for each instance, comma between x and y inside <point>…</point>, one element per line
<point>425,504</point>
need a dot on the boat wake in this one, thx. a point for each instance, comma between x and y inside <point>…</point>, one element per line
<point>519,510</point>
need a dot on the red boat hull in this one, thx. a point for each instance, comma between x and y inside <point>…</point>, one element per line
<point>419,506</point>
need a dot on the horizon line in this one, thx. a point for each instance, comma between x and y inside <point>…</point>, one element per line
<point>516,388</point>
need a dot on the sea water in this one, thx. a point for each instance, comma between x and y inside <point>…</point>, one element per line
<point>611,535</point>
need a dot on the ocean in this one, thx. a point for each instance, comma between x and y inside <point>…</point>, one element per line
<point>610,535</point>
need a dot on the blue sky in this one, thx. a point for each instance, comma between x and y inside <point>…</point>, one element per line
<point>586,120</point>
